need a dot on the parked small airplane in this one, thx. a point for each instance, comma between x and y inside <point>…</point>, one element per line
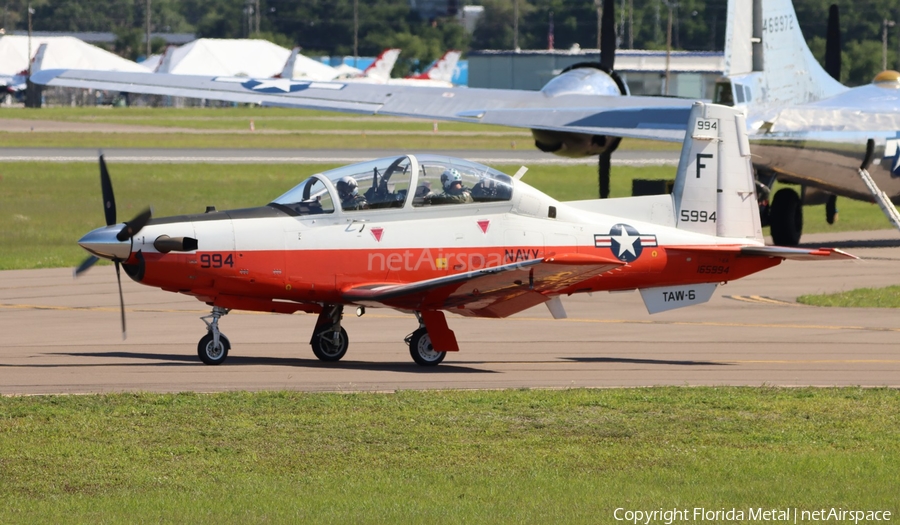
<point>431,234</point>
<point>804,127</point>
<point>301,67</point>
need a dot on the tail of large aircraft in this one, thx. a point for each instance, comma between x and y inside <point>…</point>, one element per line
<point>442,69</point>
<point>381,68</point>
<point>767,59</point>
<point>714,191</point>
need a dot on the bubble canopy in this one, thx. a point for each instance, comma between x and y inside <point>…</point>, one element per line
<point>386,183</point>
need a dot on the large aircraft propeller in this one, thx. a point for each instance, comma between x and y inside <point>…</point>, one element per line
<point>833,44</point>
<point>607,59</point>
<point>129,230</point>
<point>833,68</point>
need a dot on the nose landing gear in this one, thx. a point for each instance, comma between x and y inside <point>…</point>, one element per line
<point>213,347</point>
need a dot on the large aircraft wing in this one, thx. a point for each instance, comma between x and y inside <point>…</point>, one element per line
<point>490,292</point>
<point>637,117</point>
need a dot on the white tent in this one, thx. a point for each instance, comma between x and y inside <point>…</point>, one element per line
<point>62,52</point>
<point>225,57</point>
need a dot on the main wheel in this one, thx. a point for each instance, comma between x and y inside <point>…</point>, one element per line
<point>786,218</point>
<point>421,350</point>
<point>213,355</point>
<point>327,349</point>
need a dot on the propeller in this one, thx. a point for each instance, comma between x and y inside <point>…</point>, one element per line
<point>129,230</point>
<point>607,60</point>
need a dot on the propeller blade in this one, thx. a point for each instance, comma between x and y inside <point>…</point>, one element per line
<point>603,169</point>
<point>86,264</point>
<point>608,35</point>
<point>135,225</point>
<point>121,299</point>
<point>833,44</point>
<point>604,166</point>
<point>109,199</point>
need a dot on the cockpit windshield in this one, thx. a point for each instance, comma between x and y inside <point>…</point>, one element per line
<point>381,183</point>
<point>310,197</point>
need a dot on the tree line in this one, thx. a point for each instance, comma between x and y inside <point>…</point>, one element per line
<point>327,26</point>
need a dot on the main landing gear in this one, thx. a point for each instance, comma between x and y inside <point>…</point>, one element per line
<point>329,339</point>
<point>420,347</point>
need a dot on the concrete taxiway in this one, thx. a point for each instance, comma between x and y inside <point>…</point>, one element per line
<point>62,336</point>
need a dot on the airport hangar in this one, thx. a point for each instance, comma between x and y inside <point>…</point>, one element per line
<point>692,74</point>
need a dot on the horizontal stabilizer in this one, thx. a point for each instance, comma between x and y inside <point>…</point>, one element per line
<point>797,254</point>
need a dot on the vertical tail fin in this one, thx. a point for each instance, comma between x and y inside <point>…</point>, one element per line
<point>37,63</point>
<point>381,68</point>
<point>714,190</point>
<point>442,69</point>
<point>288,70</point>
<point>763,41</point>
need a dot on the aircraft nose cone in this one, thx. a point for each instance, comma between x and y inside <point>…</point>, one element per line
<point>102,242</point>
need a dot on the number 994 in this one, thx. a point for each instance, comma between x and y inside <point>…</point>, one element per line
<point>697,216</point>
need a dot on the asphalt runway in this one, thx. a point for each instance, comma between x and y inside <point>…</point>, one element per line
<point>528,156</point>
<point>62,336</point>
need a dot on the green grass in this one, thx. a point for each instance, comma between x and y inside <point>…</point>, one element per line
<point>569,456</point>
<point>299,141</point>
<point>46,207</point>
<point>888,297</point>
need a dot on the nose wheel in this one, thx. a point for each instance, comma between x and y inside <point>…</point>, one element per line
<point>213,347</point>
<point>212,352</point>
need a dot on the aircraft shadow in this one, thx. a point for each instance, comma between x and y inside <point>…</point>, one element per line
<point>193,360</point>
<point>632,361</point>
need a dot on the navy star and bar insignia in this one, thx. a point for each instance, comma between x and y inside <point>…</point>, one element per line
<point>624,241</point>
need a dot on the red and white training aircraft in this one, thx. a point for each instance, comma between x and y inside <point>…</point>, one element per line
<point>498,249</point>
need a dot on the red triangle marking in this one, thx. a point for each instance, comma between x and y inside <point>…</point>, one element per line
<point>377,232</point>
<point>483,224</point>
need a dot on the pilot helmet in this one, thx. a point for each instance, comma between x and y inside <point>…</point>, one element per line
<point>450,176</point>
<point>347,187</point>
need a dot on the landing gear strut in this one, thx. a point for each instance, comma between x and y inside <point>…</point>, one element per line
<point>213,347</point>
<point>329,341</point>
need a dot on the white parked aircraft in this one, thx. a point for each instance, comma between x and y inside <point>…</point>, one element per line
<point>300,67</point>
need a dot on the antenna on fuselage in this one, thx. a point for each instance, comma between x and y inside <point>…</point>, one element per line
<point>521,173</point>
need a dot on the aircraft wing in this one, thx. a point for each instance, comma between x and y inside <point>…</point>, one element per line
<point>490,292</point>
<point>655,118</point>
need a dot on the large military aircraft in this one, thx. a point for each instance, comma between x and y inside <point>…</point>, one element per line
<point>804,127</point>
<point>488,245</point>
